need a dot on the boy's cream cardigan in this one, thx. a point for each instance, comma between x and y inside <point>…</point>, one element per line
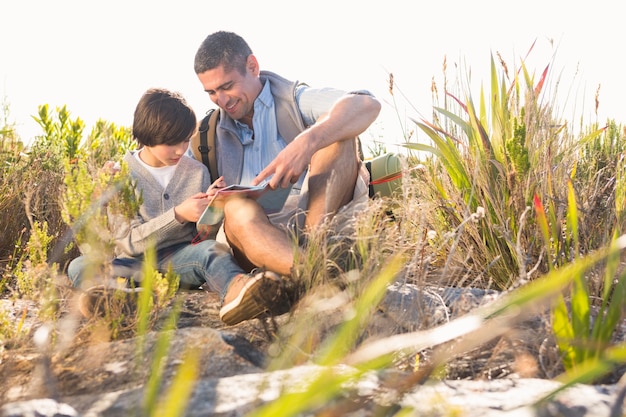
<point>155,223</point>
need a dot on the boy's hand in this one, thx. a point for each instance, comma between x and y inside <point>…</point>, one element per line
<point>191,209</point>
<point>111,167</point>
<point>214,188</point>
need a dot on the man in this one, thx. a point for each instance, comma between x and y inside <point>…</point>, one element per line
<point>287,133</point>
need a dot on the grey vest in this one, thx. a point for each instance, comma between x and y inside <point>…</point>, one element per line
<point>229,149</point>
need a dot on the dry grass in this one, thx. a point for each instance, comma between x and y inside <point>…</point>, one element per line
<point>465,225</point>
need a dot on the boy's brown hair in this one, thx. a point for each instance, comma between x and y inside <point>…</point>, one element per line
<point>163,117</point>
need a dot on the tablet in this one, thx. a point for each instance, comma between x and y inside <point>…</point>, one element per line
<point>272,200</point>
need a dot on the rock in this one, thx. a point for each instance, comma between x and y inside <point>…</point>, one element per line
<point>511,398</point>
<point>238,395</point>
<point>44,407</point>
<point>233,377</point>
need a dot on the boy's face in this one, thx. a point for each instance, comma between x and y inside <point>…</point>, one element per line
<point>163,155</point>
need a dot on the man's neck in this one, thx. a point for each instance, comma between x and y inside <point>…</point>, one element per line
<point>247,120</point>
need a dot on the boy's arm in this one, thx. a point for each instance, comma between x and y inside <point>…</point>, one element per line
<point>150,225</point>
<point>134,236</point>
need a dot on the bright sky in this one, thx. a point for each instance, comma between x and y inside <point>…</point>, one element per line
<point>99,57</point>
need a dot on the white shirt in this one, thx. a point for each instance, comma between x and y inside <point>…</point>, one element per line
<point>163,175</point>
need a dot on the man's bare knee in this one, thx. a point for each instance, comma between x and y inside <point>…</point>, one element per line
<point>332,179</point>
<point>340,156</point>
<point>245,212</point>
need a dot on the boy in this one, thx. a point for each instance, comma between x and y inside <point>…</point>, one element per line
<point>175,191</point>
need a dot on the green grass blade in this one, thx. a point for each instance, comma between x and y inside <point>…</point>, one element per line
<point>329,382</point>
<point>178,394</point>
<point>343,341</point>
<point>572,218</point>
<point>421,147</point>
<point>542,220</point>
<point>527,298</point>
<point>563,332</point>
<point>590,371</point>
<point>608,319</point>
<point>478,130</point>
<point>553,283</point>
<point>580,309</point>
<point>145,300</point>
<point>465,127</point>
<point>449,157</point>
<point>581,316</point>
<point>161,351</point>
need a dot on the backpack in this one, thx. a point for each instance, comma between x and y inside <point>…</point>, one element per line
<point>385,170</point>
<point>203,142</point>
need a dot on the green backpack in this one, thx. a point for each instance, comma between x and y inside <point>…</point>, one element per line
<point>385,170</point>
<point>385,175</point>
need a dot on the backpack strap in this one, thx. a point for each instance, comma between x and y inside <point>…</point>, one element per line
<point>203,142</point>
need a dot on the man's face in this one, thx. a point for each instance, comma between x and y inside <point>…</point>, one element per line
<point>233,92</point>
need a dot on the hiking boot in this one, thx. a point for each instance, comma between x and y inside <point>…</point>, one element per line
<point>250,296</point>
<point>288,295</point>
<point>103,300</point>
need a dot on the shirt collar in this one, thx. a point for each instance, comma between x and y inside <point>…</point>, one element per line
<point>265,97</point>
<point>262,103</point>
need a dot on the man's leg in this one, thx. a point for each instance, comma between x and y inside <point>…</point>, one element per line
<point>254,240</point>
<point>332,177</point>
<point>258,243</point>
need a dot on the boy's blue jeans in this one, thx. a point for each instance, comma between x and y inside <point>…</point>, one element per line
<point>204,263</point>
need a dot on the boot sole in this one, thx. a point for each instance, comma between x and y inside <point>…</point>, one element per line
<point>249,304</point>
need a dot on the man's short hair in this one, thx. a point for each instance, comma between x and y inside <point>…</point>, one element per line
<point>222,48</point>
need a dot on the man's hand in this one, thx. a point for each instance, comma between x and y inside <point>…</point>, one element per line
<point>350,116</point>
<point>191,209</point>
<point>288,165</point>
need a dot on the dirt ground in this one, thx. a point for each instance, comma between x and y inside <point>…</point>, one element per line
<point>74,364</point>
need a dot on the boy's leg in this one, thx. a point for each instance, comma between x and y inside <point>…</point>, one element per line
<point>243,296</point>
<point>104,292</point>
<point>204,263</point>
<point>77,269</point>
<point>128,268</point>
<point>84,273</point>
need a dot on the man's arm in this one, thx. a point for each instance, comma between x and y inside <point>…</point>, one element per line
<point>347,118</point>
<point>350,116</point>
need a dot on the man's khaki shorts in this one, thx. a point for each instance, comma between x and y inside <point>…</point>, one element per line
<point>293,215</point>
